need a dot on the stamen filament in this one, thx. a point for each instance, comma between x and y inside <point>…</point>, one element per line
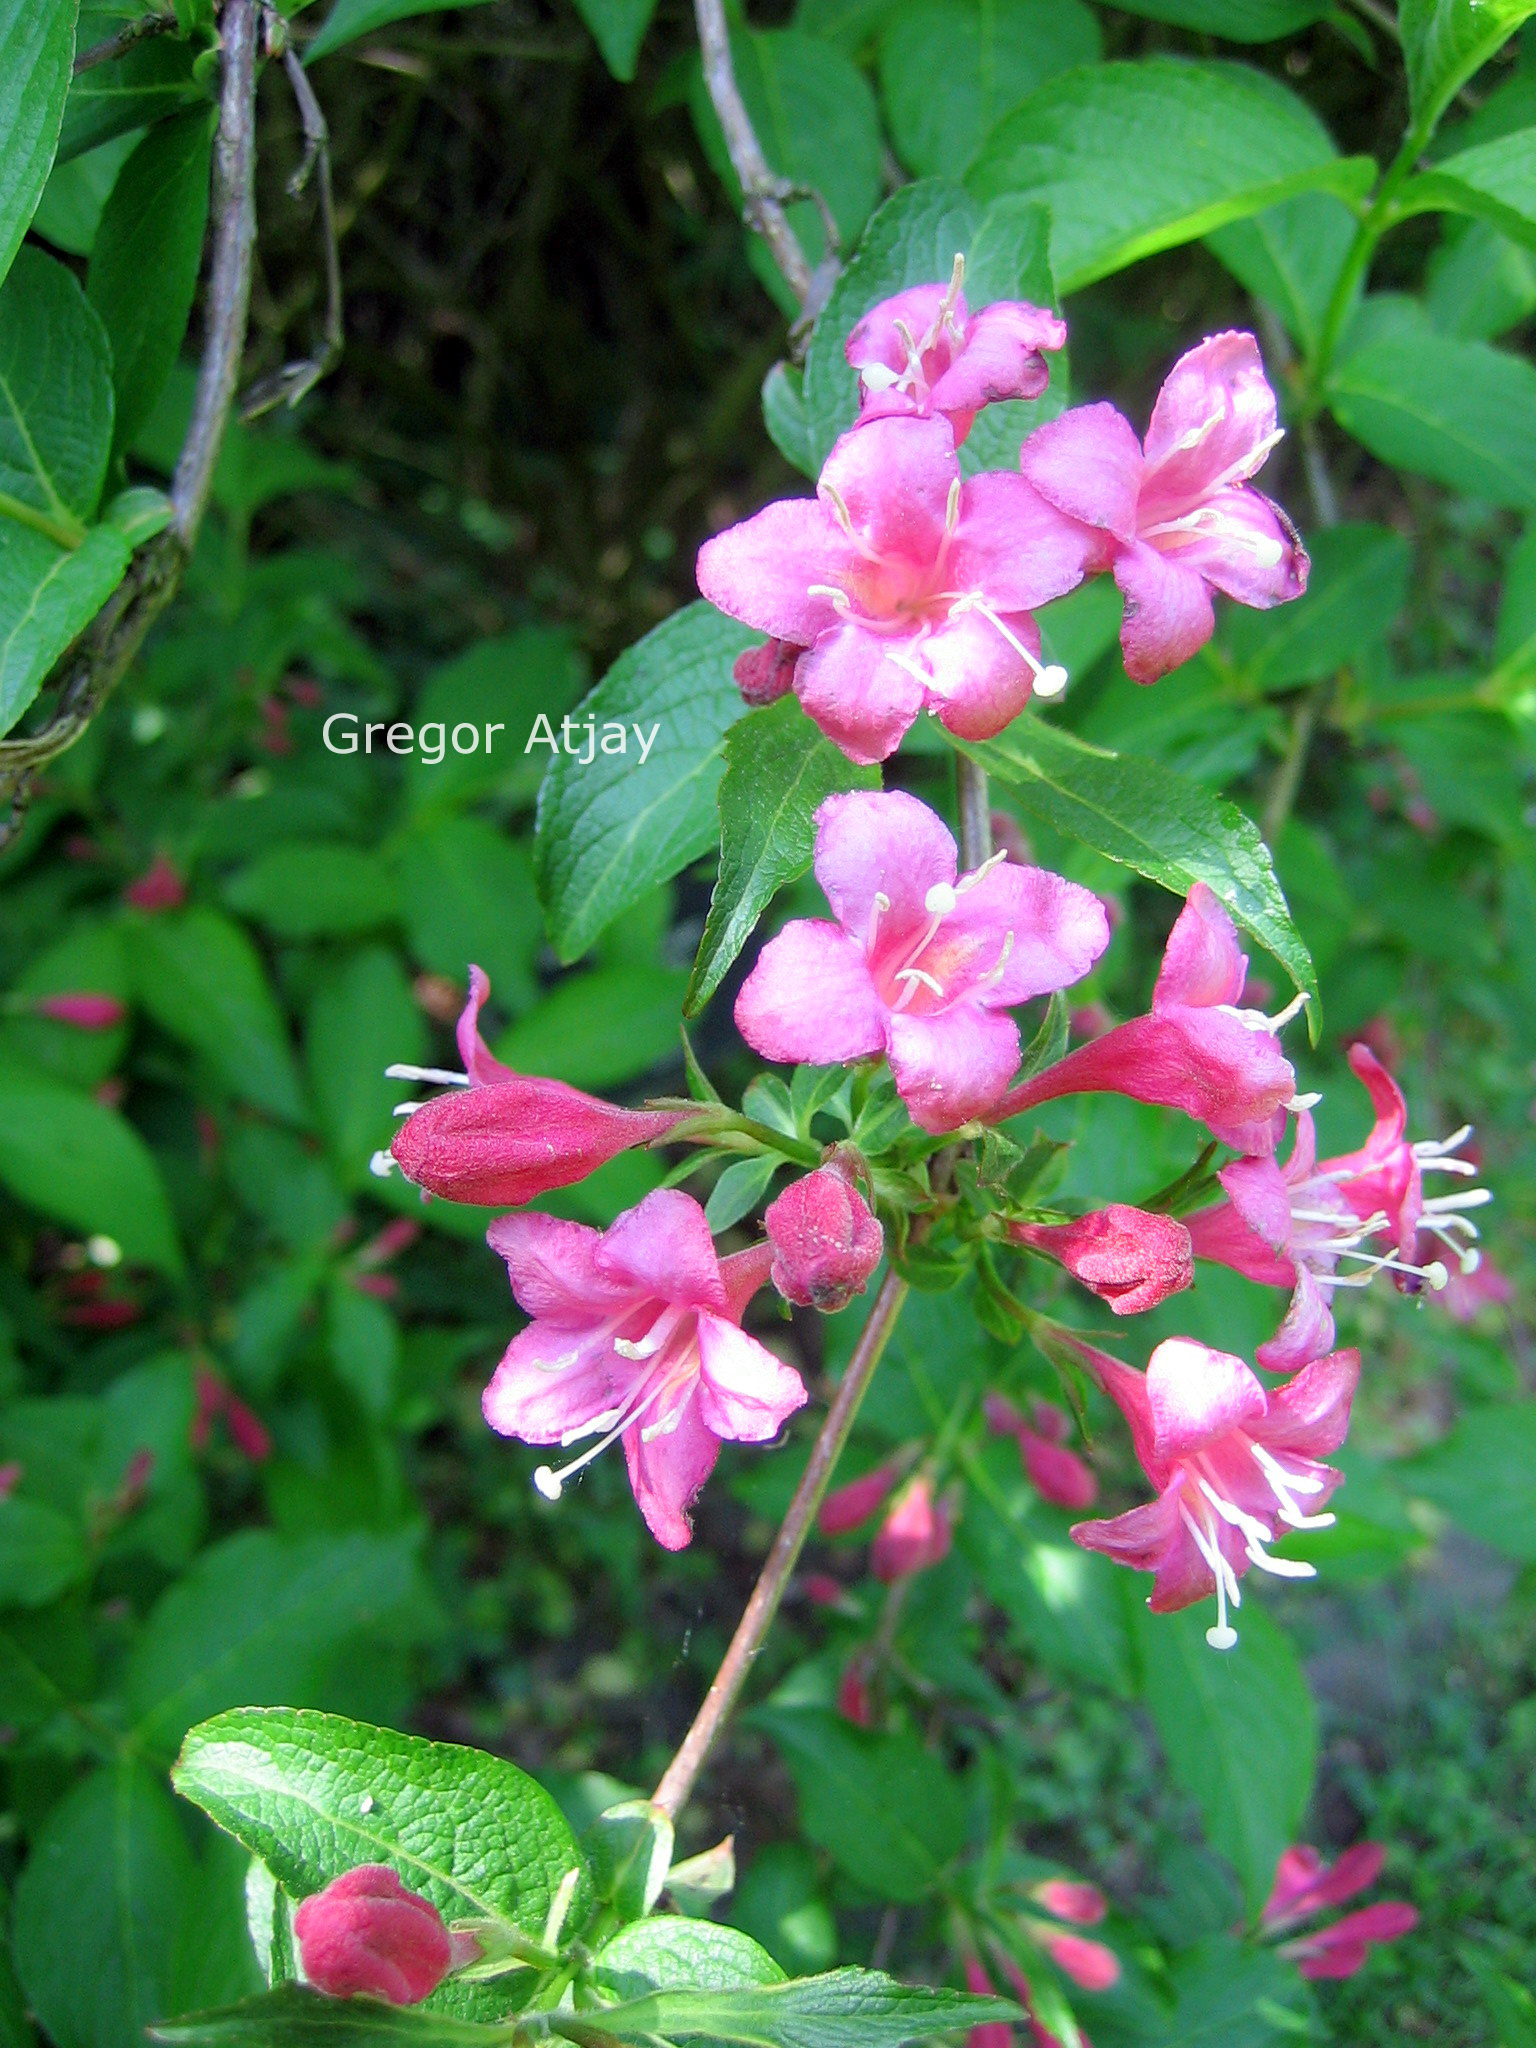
<point>443,1075</point>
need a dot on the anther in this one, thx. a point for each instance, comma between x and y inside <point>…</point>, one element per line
<point>382,1165</point>
<point>441,1075</point>
<point>940,900</point>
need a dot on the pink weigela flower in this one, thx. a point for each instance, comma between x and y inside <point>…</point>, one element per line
<point>1229,1461</point>
<point>1179,518</point>
<point>915,1534</point>
<point>922,964</point>
<point>366,1935</point>
<point>1057,1474</point>
<point>1130,1258</point>
<point>909,588</point>
<point>636,1336</point>
<point>1305,1885</point>
<point>1196,1050</point>
<point>920,352</point>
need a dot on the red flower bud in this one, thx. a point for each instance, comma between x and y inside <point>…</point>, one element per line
<point>853,1701</point>
<point>1088,1963</point>
<point>820,1588</point>
<point>764,674</point>
<point>1057,1474</point>
<point>85,1012</point>
<point>858,1500</point>
<point>1130,1258</point>
<point>825,1241</point>
<point>160,887</point>
<point>1084,1904</point>
<point>365,1933</point>
<point>914,1535</point>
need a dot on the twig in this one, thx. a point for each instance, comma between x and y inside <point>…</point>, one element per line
<point>678,1780</point>
<point>975,809</point>
<point>1287,779</point>
<point>763,192</point>
<point>118,45</point>
<point>1385,20</point>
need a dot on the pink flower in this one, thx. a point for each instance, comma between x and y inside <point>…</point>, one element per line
<point>919,352</point>
<point>1180,518</point>
<point>915,1534</point>
<point>160,887</point>
<point>1069,1899</point>
<point>85,1012</point>
<point>1196,1050</point>
<point>847,1506</point>
<point>825,1241</point>
<point>991,2033</point>
<point>1057,1474</point>
<point>1228,1461</point>
<point>922,964</point>
<point>509,1137</point>
<point>1305,1885</point>
<point>1291,1226</point>
<point>1128,1257</point>
<point>1089,1964</point>
<point>636,1335</point>
<point>366,1935</point>
<point>909,588</point>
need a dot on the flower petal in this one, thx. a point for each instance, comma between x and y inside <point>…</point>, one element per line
<point>1012,545</point>
<point>1242,543</point>
<point>862,698</point>
<point>1058,928</point>
<point>977,680</point>
<point>1088,463</point>
<point>877,339</point>
<point>552,1384</point>
<point>1212,422</point>
<point>1168,612</point>
<point>1310,1414</point>
<point>810,998</point>
<point>555,1268</point>
<point>762,570</point>
<point>1140,1538</point>
<point>479,1064</point>
<point>1203,963</point>
<point>1306,1333</point>
<point>1000,357</point>
<point>893,477</point>
<point>666,1472</point>
<point>664,1248</point>
<point>745,1393</point>
<point>885,843</point>
<point>1197,1395</point>
<point>954,1066</point>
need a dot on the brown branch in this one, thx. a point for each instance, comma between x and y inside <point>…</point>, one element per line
<point>118,45</point>
<point>681,1774</point>
<point>763,192</point>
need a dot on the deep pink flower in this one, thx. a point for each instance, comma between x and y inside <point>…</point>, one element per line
<point>1070,1899</point>
<point>920,352</point>
<point>1057,1474</point>
<point>636,1335</point>
<point>1180,518</point>
<point>847,1506</point>
<point>991,2033</point>
<point>910,588</point>
<point>85,1012</point>
<point>1228,1461</point>
<point>160,887</point>
<point>366,1935</point>
<point>826,1243</point>
<point>915,1534</point>
<point>1089,1964</point>
<point>1305,1885</point>
<point>922,964</point>
<point>508,1137</point>
<point>1291,1226</point>
<point>1130,1258</point>
<point>1195,1050</point>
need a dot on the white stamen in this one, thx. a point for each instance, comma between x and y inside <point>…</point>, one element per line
<point>626,1349</point>
<point>1255,1530</point>
<point>382,1165</point>
<point>879,377</point>
<point>1435,1148</point>
<point>407,1108</point>
<point>952,508</point>
<point>839,509</point>
<point>1301,1102</point>
<point>1223,1636</point>
<point>1043,674</point>
<point>996,973</point>
<point>443,1075</point>
<point>1280,1567</point>
<point>548,1481</point>
<point>919,974</point>
<point>980,874</point>
<point>940,900</point>
<point>1468,1198</point>
<point>1051,680</point>
<point>838,599</point>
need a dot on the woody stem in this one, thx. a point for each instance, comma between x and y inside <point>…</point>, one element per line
<point>680,1776</point>
<point>975,814</point>
<point>762,192</point>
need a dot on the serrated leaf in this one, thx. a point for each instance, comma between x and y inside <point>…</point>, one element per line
<point>677,1955</point>
<point>1239,1730</point>
<point>37,46</point>
<point>609,831</point>
<point>784,417</point>
<point>629,1849</point>
<point>1291,256</point>
<point>48,596</point>
<point>294,2016</point>
<point>1445,42</point>
<point>1147,818</point>
<point>75,1159</point>
<point>1132,158</point>
<point>314,1795</point>
<point>55,400</point>
<point>847,2008</point>
<point>778,769</point>
<point>151,228</point>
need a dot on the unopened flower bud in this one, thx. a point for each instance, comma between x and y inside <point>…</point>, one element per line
<point>505,1143</point>
<point>160,887</point>
<point>991,2033</point>
<point>85,1012</point>
<point>914,1535</point>
<point>1057,1474</point>
<point>1084,1904</point>
<point>849,1505</point>
<point>1130,1258</point>
<point>764,674</point>
<point>825,1240</point>
<point>853,1700</point>
<point>1088,1963</point>
<point>366,1934</point>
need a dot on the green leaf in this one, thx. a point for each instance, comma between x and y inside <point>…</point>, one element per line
<point>55,401</point>
<point>294,2016</point>
<point>1239,1731</point>
<point>258,1618</point>
<point>784,417</point>
<point>1479,284</point>
<point>1358,586</point>
<point>362,1019</point>
<point>1147,818</point>
<point>844,2009</point>
<point>778,769</point>
<point>364,1343</point>
<point>618,28</point>
<point>1509,2005</point>
<point>950,69</point>
<point>682,1955</point>
<point>149,81</point>
<point>48,596</point>
<point>913,239</point>
<point>314,1795</point>
<point>1458,411</point>
<point>349,19</point>
<point>1134,158</point>
<point>739,1190</point>
<point>1445,42</point>
<point>611,830</point>
<point>466,894</point>
<point>815,117</point>
<point>1240,21</point>
<point>885,1809</point>
<point>41,1552</point>
<point>629,1851</point>
<point>203,981</point>
<point>1290,256</point>
<point>1495,182</point>
<point>599,1028</point>
<point>70,209</point>
<point>1483,1476</point>
<point>151,228</point>
<point>315,889</point>
<point>507,682</point>
<point>73,1158</point>
<point>37,48</point>
<point>1010,258</point>
<point>1468,772</point>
